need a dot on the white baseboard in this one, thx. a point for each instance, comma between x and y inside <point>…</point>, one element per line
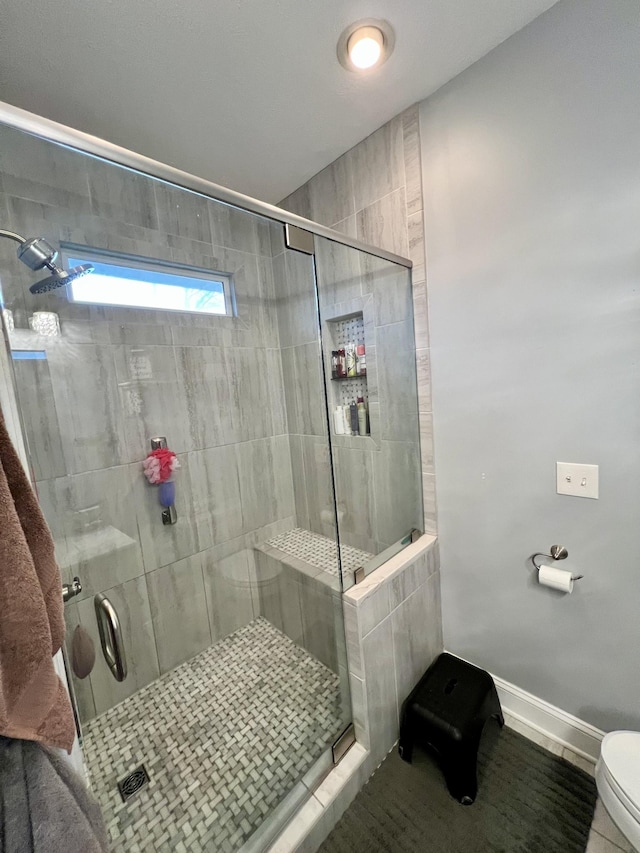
<point>563,729</point>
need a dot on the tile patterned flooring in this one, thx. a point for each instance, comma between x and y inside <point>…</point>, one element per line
<point>224,737</point>
<point>318,551</point>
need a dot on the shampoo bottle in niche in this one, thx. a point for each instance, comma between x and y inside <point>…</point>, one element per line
<point>338,421</point>
<point>346,418</point>
<point>334,364</point>
<point>351,360</point>
<point>353,410</point>
<point>361,360</point>
<point>362,417</point>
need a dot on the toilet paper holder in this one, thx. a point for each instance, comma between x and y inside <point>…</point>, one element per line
<point>556,552</point>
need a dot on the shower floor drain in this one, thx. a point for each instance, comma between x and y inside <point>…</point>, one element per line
<point>132,783</point>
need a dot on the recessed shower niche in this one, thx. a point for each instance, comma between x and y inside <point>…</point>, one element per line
<point>349,397</point>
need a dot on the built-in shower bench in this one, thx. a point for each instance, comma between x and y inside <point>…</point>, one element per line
<point>314,555</point>
<point>298,580</point>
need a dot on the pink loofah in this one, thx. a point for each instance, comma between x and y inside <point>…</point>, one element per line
<point>160,465</point>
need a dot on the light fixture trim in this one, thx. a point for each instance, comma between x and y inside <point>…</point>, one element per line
<point>387,43</point>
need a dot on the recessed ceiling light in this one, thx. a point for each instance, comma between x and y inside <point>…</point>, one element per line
<point>365,47</point>
<point>365,44</point>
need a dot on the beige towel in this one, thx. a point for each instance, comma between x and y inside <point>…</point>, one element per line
<point>34,704</point>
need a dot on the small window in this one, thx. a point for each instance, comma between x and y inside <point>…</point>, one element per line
<point>130,281</point>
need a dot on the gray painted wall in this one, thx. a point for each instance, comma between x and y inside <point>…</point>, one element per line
<point>531,166</point>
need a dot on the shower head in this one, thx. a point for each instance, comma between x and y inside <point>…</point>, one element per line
<point>37,254</point>
<point>60,278</point>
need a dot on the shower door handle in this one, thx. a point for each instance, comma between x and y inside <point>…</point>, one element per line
<point>111,636</point>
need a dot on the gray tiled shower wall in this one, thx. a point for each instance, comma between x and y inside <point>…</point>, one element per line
<point>378,483</point>
<point>252,444</point>
<point>116,377</point>
<point>374,193</point>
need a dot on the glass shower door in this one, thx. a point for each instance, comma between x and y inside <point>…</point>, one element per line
<point>366,313</point>
<point>230,616</point>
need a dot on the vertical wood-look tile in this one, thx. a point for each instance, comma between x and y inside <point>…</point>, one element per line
<point>266,488</point>
<point>87,402</point>
<point>152,399</point>
<point>415,235</point>
<point>383,223</point>
<point>228,589</point>
<point>397,382</point>
<point>318,485</point>
<point>179,611</point>
<point>92,517</point>
<point>398,506</point>
<point>181,212</point>
<point>215,485</point>
<point>331,192</point>
<point>298,202</point>
<point>117,193</point>
<point>380,686</point>
<point>377,164</point>
<point>38,409</point>
<point>426,442</point>
<point>412,164</point>
<point>204,372</point>
<point>131,603</point>
<point>429,501</point>
<point>417,635</point>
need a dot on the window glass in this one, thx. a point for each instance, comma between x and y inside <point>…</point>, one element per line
<point>142,283</point>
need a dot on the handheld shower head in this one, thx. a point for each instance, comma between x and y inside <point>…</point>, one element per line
<point>37,254</point>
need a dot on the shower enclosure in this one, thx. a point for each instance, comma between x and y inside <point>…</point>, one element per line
<point>212,326</point>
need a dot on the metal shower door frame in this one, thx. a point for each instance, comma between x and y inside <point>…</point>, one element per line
<point>86,143</point>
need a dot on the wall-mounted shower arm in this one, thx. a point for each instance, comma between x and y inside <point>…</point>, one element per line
<point>37,254</point>
<point>11,235</point>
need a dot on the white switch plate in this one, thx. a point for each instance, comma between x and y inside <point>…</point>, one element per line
<point>581,481</point>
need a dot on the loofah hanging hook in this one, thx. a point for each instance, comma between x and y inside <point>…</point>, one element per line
<point>159,468</point>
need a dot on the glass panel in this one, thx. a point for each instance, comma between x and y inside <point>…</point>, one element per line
<point>366,311</point>
<point>231,616</point>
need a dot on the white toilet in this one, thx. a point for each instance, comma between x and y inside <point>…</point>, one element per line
<point>618,782</point>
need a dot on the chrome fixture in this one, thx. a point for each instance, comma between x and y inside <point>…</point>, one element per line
<point>343,744</point>
<point>133,782</point>
<point>556,552</point>
<point>169,514</point>
<point>110,636</point>
<point>37,254</point>
<point>69,590</point>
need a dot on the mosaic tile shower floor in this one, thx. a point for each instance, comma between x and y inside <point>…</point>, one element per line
<point>224,737</point>
<point>318,550</point>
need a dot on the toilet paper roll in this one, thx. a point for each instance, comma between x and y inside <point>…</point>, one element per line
<point>555,578</point>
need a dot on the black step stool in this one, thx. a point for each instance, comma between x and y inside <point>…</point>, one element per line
<point>447,711</point>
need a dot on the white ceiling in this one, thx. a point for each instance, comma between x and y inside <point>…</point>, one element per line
<point>247,93</point>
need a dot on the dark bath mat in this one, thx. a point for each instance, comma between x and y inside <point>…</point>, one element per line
<point>529,801</point>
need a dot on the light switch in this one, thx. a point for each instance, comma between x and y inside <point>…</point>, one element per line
<point>581,481</point>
